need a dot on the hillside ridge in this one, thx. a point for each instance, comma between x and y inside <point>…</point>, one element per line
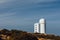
<point>23,35</point>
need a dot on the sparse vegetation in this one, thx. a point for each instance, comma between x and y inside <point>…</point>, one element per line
<point>22,35</point>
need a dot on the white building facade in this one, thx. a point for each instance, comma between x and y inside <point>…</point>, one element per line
<point>40,27</point>
<point>36,28</point>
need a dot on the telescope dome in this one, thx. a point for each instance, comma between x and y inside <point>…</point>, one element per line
<point>42,20</point>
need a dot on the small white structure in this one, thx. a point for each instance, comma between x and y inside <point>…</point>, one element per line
<point>40,27</point>
<point>42,23</point>
<point>36,28</point>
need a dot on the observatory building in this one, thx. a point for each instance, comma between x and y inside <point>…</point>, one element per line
<point>36,28</point>
<point>40,27</point>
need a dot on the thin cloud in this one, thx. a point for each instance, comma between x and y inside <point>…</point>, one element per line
<point>7,14</point>
<point>26,1</point>
<point>4,1</point>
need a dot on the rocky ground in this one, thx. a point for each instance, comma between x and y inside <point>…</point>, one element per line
<point>22,35</point>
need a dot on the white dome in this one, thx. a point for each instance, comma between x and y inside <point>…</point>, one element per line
<point>42,20</point>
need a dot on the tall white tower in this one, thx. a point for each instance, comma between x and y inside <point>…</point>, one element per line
<point>36,28</point>
<point>42,23</point>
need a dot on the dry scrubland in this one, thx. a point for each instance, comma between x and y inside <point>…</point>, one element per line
<point>22,35</point>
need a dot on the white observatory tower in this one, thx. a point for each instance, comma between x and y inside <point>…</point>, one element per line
<point>36,28</point>
<point>42,23</point>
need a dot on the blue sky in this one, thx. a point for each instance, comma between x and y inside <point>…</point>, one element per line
<point>22,14</point>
